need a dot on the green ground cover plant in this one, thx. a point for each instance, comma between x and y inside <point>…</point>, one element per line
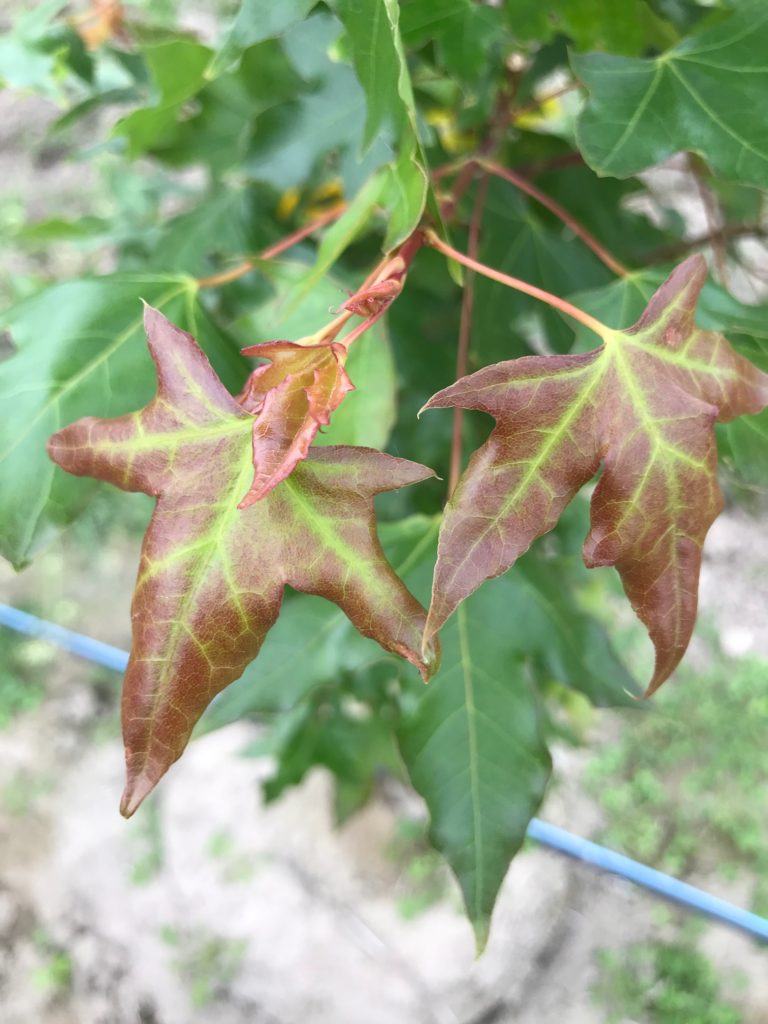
<point>662,983</point>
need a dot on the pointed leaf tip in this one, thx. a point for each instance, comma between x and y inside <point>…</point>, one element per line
<point>482,928</point>
<point>675,301</point>
<point>643,406</point>
<point>431,656</point>
<point>136,791</point>
<point>190,448</point>
<point>152,316</point>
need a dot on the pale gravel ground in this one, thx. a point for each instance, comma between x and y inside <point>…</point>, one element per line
<point>324,939</point>
<point>316,907</point>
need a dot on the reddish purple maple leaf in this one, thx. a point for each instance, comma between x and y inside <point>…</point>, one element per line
<point>212,575</point>
<point>643,408</point>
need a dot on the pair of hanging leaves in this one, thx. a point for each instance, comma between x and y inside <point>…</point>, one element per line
<point>225,539</point>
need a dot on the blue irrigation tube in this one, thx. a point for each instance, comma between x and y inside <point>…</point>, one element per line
<point>649,878</point>
<point>541,831</point>
<point>75,643</point>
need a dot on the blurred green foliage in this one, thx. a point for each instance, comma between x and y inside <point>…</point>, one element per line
<point>662,983</point>
<point>685,787</point>
<point>23,663</point>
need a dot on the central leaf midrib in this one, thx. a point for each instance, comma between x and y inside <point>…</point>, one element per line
<point>649,422</point>
<point>220,528</point>
<point>478,843</point>
<point>637,115</point>
<point>637,397</point>
<point>535,465</point>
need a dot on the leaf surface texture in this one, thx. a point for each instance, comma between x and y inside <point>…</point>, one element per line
<point>211,576</point>
<point>706,95</point>
<point>643,407</point>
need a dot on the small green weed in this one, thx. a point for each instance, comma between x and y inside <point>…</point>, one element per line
<point>148,842</point>
<point>423,880</point>
<point>54,975</point>
<point>208,964</point>
<point>23,790</point>
<point>236,865</point>
<point>661,983</point>
<point>685,787</point>
<point>21,663</point>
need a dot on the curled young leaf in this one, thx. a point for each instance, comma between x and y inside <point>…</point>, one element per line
<point>291,397</point>
<point>643,407</point>
<point>212,575</point>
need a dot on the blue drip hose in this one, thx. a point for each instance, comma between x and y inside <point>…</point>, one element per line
<point>584,850</point>
<point>649,878</point>
<point>75,643</point>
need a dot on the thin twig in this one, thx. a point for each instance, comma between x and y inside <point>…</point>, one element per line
<point>499,120</point>
<point>392,270</point>
<point>521,286</point>
<point>465,329</point>
<point>542,101</point>
<point>460,186</point>
<point>726,232</point>
<point>713,216</point>
<point>234,273</point>
<point>554,163</point>
<point>560,212</point>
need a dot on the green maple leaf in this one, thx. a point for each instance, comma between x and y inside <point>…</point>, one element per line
<point>73,342</point>
<point>703,95</point>
<point>212,576</point>
<point>643,406</point>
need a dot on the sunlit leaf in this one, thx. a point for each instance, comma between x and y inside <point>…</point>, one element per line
<point>381,66</point>
<point>35,52</point>
<point>289,141</point>
<point>177,68</point>
<point>379,61</point>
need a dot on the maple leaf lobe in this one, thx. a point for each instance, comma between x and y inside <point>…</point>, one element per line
<point>211,576</point>
<point>642,406</point>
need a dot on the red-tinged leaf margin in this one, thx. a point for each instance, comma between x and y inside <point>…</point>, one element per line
<point>211,576</point>
<point>656,388</point>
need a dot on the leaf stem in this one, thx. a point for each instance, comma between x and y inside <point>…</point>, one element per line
<point>521,286</point>
<point>560,212</point>
<point>465,330</point>
<point>712,215</point>
<point>234,273</point>
<point>460,186</point>
<point>374,297</point>
<point>542,101</point>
